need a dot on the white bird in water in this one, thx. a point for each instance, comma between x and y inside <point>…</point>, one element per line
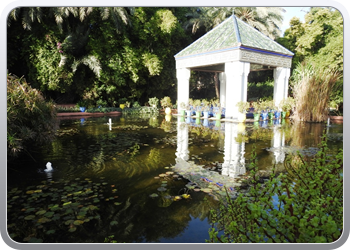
<point>48,167</point>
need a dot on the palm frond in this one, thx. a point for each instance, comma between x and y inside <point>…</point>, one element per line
<point>91,61</point>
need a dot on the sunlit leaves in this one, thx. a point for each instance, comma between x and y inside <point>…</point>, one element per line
<point>166,20</point>
<point>152,62</point>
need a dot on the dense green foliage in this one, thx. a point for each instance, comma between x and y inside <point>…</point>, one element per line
<point>29,117</point>
<point>304,205</point>
<point>86,55</point>
<point>260,90</point>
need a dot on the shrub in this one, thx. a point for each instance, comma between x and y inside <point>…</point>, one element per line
<point>303,206</point>
<point>153,101</point>
<point>29,117</point>
<point>165,102</point>
<point>136,104</point>
<point>312,87</point>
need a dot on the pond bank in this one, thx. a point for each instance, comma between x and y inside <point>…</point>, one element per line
<point>66,115</point>
<point>87,114</point>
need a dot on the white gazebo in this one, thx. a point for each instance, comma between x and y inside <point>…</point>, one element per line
<point>233,49</point>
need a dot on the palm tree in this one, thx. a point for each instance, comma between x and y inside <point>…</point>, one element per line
<point>267,20</point>
<point>28,15</point>
<point>118,14</point>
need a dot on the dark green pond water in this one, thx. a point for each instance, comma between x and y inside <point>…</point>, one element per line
<point>150,179</point>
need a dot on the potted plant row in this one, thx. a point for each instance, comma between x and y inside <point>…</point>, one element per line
<point>204,107</point>
<point>268,110</point>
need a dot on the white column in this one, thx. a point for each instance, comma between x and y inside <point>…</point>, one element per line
<point>281,76</point>
<point>278,145</point>
<point>182,151</point>
<point>236,86</point>
<point>183,86</point>
<point>234,161</point>
<point>222,89</point>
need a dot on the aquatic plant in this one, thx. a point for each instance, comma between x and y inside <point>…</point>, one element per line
<point>312,86</point>
<point>303,206</point>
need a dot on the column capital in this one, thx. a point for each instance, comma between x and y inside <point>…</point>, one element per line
<point>183,73</point>
<point>237,68</point>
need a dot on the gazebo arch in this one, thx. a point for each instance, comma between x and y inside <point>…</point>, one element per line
<point>233,49</point>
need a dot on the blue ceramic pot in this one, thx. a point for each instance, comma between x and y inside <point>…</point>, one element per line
<point>264,115</point>
<point>277,114</point>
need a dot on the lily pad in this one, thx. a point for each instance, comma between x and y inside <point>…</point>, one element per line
<point>161,189</point>
<point>44,220</point>
<point>207,190</point>
<point>113,223</point>
<point>78,222</point>
<point>186,196</point>
<point>154,195</point>
<point>29,217</point>
<point>177,198</point>
<point>69,222</point>
<point>49,214</point>
<point>40,212</point>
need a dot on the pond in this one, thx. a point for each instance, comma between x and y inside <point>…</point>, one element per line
<point>144,180</point>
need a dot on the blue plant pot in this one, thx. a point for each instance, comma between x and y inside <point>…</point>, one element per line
<point>82,109</point>
<point>264,115</point>
<point>277,114</point>
<point>263,124</point>
<point>211,112</point>
<point>223,112</point>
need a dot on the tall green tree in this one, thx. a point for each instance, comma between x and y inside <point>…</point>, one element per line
<point>318,40</point>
